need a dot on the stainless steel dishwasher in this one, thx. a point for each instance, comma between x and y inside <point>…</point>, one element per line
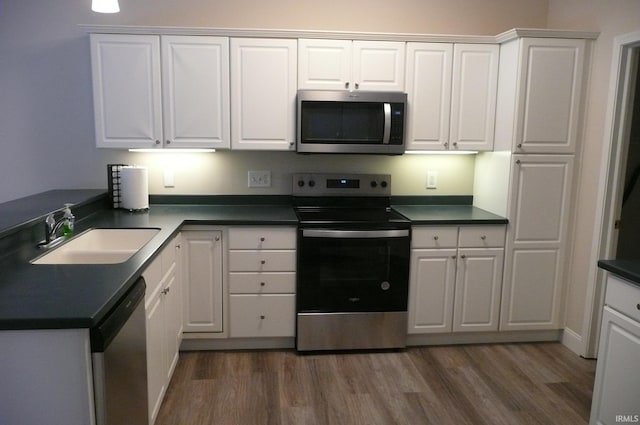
<point>119,355</point>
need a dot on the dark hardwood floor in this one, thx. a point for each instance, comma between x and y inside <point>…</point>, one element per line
<point>541,383</point>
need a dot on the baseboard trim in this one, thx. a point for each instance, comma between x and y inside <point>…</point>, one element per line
<point>483,338</point>
<point>573,341</point>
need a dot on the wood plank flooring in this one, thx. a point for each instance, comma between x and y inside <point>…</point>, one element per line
<point>541,383</point>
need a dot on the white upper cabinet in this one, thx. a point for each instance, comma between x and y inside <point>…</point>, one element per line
<point>351,65</point>
<point>263,93</point>
<point>195,82</point>
<point>539,95</point>
<point>451,93</point>
<point>143,101</point>
<point>126,90</point>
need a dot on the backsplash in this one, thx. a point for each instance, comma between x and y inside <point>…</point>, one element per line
<point>226,172</point>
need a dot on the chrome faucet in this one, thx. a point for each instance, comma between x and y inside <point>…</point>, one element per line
<point>51,229</point>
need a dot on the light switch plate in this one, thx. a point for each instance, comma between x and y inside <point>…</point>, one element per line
<point>259,178</point>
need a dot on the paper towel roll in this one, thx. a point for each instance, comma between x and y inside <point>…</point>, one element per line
<point>134,182</point>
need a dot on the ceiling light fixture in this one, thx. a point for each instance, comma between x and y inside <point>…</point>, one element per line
<point>105,6</point>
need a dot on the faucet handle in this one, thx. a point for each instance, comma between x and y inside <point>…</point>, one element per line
<point>50,222</point>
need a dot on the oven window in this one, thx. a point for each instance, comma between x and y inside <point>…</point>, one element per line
<point>342,122</point>
<point>352,275</point>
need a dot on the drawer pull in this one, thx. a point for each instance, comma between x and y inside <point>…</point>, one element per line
<point>638,306</point>
<point>262,283</point>
<point>262,317</point>
<point>263,261</point>
<point>483,237</point>
<point>262,239</point>
<point>435,238</point>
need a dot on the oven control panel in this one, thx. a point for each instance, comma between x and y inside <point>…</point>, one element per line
<point>318,184</point>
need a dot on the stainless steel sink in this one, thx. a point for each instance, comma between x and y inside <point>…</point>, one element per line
<point>99,246</point>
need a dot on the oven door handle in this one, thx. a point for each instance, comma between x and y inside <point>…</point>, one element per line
<point>353,234</point>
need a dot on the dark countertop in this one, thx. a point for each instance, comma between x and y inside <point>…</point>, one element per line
<point>79,296</point>
<point>448,214</point>
<point>628,269</point>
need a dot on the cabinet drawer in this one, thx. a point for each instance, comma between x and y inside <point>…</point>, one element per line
<point>262,238</point>
<point>481,236</point>
<point>434,237</point>
<point>262,261</point>
<point>262,283</point>
<point>262,315</point>
<point>623,296</point>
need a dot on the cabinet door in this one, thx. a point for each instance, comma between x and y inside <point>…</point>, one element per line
<point>536,241</point>
<point>324,64</point>
<point>540,198</point>
<point>473,96</point>
<point>156,354</point>
<point>378,65</point>
<point>195,76</point>
<point>263,93</point>
<point>429,68</point>
<point>173,321</point>
<point>202,271</point>
<point>126,90</point>
<point>478,286</point>
<point>431,290</point>
<point>549,95</point>
<point>617,386</point>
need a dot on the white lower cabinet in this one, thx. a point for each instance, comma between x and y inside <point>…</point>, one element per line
<point>616,389</point>
<point>202,276</point>
<point>163,306</point>
<point>262,279</point>
<point>456,278</point>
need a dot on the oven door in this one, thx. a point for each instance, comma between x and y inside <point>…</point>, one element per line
<point>353,270</point>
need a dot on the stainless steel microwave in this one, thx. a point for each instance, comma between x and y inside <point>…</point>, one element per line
<point>362,122</point>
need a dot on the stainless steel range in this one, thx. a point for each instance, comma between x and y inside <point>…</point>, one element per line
<point>353,263</point>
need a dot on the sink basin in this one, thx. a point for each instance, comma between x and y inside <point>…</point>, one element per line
<point>99,246</point>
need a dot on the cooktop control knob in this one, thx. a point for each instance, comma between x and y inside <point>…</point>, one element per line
<point>312,183</point>
<point>374,183</point>
<point>300,183</point>
<point>383,183</point>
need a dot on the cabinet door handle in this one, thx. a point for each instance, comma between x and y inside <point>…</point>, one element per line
<point>168,142</point>
<point>157,142</point>
<point>463,256</point>
<point>518,161</point>
<point>217,238</point>
<point>455,144</point>
<point>357,86</point>
<point>638,306</point>
<point>453,257</point>
<point>346,85</point>
<point>519,145</point>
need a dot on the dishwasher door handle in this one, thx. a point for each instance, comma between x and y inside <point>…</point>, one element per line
<point>353,234</point>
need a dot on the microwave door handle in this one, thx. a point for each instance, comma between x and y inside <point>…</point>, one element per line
<point>387,124</point>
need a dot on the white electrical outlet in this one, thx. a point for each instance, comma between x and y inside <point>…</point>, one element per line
<point>169,178</point>
<point>261,178</point>
<point>432,179</point>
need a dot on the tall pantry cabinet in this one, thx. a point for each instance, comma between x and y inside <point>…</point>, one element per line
<point>529,176</point>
